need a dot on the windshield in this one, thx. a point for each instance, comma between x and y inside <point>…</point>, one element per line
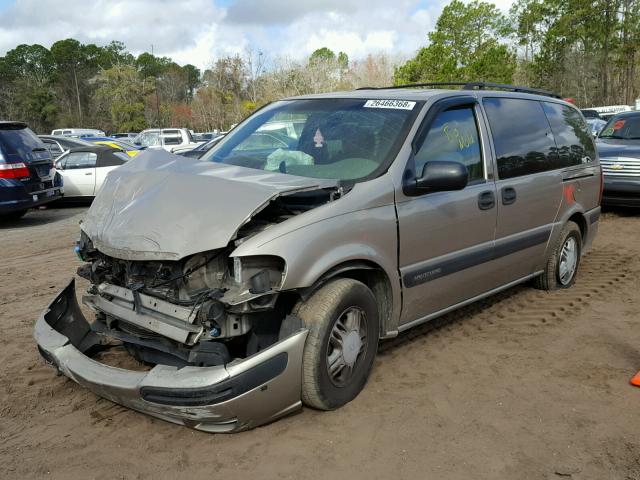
<point>341,139</point>
<point>148,139</point>
<point>625,128</point>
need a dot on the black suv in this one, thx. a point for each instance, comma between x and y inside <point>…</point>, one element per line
<point>27,176</point>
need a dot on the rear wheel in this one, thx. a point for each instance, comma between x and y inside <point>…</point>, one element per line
<point>562,264</point>
<point>342,318</point>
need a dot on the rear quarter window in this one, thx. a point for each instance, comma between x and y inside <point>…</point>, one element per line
<point>572,136</point>
<point>521,136</point>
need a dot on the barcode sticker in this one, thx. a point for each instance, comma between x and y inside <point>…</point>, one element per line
<point>396,104</point>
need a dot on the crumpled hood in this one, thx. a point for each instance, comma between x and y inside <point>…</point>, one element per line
<point>160,206</point>
<point>618,148</point>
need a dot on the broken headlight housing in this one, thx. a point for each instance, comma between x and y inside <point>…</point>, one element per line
<point>259,274</point>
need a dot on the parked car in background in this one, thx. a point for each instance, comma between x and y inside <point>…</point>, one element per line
<point>27,176</point>
<point>115,144</point>
<point>595,125</point>
<point>199,150</point>
<point>83,169</point>
<point>608,111</point>
<point>128,136</point>
<point>589,113</point>
<point>263,276</point>
<point>77,132</point>
<point>619,148</point>
<point>166,138</point>
<point>57,144</point>
<point>204,136</point>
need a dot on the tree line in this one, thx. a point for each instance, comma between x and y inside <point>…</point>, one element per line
<point>585,49</point>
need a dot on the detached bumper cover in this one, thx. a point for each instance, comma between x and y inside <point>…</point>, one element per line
<point>238,396</point>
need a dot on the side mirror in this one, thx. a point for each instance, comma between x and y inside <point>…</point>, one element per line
<point>440,177</point>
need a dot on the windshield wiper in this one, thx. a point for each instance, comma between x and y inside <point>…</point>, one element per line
<point>38,149</point>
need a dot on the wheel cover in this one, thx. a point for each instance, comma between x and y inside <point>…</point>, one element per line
<point>568,261</point>
<point>347,345</point>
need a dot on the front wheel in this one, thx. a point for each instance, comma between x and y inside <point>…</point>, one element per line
<point>562,264</point>
<point>342,318</point>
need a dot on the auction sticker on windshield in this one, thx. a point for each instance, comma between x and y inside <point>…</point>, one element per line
<point>398,104</point>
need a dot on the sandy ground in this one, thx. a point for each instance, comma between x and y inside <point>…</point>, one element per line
<point>527,385</point>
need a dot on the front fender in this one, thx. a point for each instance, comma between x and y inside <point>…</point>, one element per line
<point>312,250</point>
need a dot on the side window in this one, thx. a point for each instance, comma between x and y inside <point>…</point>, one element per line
<point>521,136</point>
<point>453,136</point>
<point>77,160</point>
<point>172,137</point>
<point>112,158</point>
<point>572,136</point>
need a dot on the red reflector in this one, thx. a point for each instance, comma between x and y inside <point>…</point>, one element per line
<point>14,170</point>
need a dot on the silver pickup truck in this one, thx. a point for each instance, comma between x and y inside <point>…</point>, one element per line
<point>263,275</point>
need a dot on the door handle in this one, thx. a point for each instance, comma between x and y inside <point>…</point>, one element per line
<point>89,173</point>
<point>486,200</point>
<point>508,195</point>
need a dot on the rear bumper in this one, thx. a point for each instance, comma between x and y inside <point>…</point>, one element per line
<point>238,396</point>
<point>14,196</point>
<point>621,191</point>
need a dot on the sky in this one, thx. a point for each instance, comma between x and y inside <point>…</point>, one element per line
<point>200,31</point>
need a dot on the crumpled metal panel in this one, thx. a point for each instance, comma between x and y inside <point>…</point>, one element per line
<point>161,206</point>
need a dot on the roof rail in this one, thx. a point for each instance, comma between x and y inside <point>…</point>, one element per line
<point>471,86</point>
<point>512,88</point>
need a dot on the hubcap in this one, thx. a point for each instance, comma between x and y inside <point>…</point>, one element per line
<point>347,345</point>
<point>568,260</point>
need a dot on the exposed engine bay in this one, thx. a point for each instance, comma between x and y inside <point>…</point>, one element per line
<point>205,309</point>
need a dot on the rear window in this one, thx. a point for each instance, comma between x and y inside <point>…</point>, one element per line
<point>20,144</point>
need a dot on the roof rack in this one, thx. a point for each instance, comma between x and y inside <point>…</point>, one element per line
<point>471,86</point>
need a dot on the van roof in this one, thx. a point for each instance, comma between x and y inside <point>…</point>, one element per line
<point>422,94</point>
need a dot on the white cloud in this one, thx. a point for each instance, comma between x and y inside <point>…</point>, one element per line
<point>199,31</point>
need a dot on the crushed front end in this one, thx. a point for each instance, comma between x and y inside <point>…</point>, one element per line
<point>215,333</point>
<point>225,352</point>
<point>223,398</point>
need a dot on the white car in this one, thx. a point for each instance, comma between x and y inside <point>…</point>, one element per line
<point>167,138</point>
<point>84,169</point>
<point>77,132</point>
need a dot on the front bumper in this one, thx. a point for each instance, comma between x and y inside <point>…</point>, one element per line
<point>621,191</point>
<point>230,398</point>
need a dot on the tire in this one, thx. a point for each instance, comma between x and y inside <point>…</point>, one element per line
<point>332,314</point>
<point>553,277</point>
<point>17,215</point>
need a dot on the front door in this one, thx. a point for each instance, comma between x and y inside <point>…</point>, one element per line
<point>446,238</point>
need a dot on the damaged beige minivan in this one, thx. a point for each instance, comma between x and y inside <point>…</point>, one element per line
<point>262,276</point>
